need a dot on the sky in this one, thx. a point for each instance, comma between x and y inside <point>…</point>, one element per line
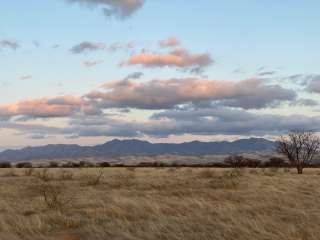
<point>88,71</point>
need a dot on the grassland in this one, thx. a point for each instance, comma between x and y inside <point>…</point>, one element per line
<point>164,203</point>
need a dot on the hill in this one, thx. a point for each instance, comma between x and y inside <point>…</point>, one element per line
<point>136,147</point>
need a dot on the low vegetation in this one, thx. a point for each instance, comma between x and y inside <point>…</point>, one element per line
<point>159,203</point>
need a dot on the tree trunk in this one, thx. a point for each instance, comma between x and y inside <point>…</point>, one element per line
<point>299,168</point>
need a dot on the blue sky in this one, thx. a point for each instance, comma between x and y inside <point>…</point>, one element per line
<point>240,39</point>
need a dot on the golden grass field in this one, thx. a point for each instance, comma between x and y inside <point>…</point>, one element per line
<point>164,203</point>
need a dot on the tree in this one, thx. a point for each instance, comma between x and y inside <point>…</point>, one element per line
<point>235,161</point>
<point>300,147</point>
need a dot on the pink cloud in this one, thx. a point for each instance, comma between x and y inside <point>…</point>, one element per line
<point>45,107</point>
<point>169,42</point>
<point>163,94</point>
<point>180,58</point>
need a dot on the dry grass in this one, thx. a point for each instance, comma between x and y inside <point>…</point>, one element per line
<point>182,204</point>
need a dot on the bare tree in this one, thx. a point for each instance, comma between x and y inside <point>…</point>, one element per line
<point>300,147</point>
<point>235,161</point>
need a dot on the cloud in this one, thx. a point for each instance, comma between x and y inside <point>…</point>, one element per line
<point>135,75</point>
<point>39,136</point>
<point>30,128</point>
<point>169,42</point>
<point>219,120</point>
<point>188,106</point>
<point>119,9</point>
<point>25,77</point>
<point>87,46</point>
<point>119,46</point>
<point>164,94</point>
<point>63,106</point>
<point>304,102</point>
<point>227,121</point>
<point>5,43</point>
<point>267,73</point>
<point>36,43</point>
<point>91,63</point>
<point>313,84</point>
<point>179,58</point>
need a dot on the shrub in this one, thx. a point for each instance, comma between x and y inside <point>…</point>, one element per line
<point>53,165</point>
<point>86,164</point>
<point>66,175</point>
<point>207,173</point>
<point>104,164</point>
<point>276,162</point>
<point>54,195</point>
<point>44,175</point>
<point>10,173</point>
<point>28,172</point>
<point>24,165</point>
<point>252,163</point>
<point>131,169</point>
<point>229,180</point>
<point>5,165</point>
<point>235,161</point>
<point>95,179</point>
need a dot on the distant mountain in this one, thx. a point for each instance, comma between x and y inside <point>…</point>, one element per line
<point>137,147</point>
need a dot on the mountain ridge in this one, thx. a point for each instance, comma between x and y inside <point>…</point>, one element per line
<point>128,147</point>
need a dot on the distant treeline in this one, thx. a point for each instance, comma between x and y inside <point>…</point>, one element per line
<point>231,161</point>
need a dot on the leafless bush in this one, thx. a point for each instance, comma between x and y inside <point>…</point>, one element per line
<point>53,164</point>
<point>229,180</point>
<point>55,196</point>
<point>131,169</point>
<point>10,173</point>
<point>272,171</point>
<point>276,162</point>
<point>44,175</point>
<point>28,172</point>
<point>104,164</point>
<point>286,170</point>
<point>235,161</point>
<point>65,175</point>
<point>207,173</point>
<point>24,165</point>
<point>5,165</point>
<point>94,179</point>
<point>254,171</point>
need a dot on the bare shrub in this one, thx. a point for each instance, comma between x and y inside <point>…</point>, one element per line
<point>229,180</point>
<point>53,164</point>
<point>272,171</point>
<point>170,170</point>
<point>235,161</point>
<point>207,173</point>
<point>105,164</point>
<point>24,165</point>
<point>65,175</point>
<point>54,195</point>
<point>94,179</point>
<point>28,172</point>
<point>276,162</point>
<point>131,169</point>
<point>5,165</point>
<point>86,164</point>
<point>254,171</point>
<point>10,173</point>
<point>286,170</point>
<point>44,175</point>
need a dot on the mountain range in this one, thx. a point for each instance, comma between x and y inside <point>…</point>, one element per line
<point>138,148</point>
